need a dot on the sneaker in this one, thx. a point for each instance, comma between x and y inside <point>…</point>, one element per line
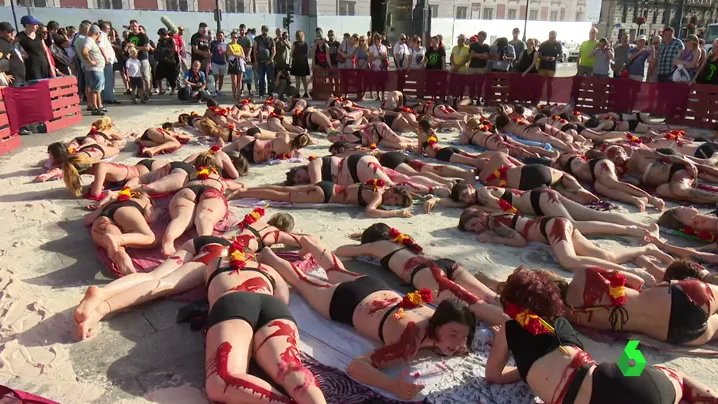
<point>305,95</point>
<point>136,100</point>
<point>97,112</point>
<point>103,109</point>
<point>172,92</point>
<point>128,92</point>
<point>144,100</point>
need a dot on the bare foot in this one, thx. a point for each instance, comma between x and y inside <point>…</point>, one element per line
<point>640,203</point>
<point>656,252</point>
<point>168,248</point>
<point>87,328</point>
<point>658,203</point>
<point>124,262</point>
<point>112,241</point>
<point>654,230</point>
<point>636,231</point>
<point>306,242</point>
<point>93,297</point>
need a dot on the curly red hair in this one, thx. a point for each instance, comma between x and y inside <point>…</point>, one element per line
<point>533,290</point>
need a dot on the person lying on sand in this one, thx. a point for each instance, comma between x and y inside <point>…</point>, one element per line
<point>234,165</point>
<point>551,359</point>
<point>161,140</point>
<point>73,162</point>
<point>257,150</point>
<point>481,133</point>
<point>375,134</point>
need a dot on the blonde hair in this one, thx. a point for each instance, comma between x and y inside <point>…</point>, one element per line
<point>299,35</point>
<point>71,169</point>
<point>208,127</point>
<point>207,159</point>
<point>362,39</point>
<point>103,123</point>
<point>132,52</point>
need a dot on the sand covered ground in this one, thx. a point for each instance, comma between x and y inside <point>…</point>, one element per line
<point>47,260</point>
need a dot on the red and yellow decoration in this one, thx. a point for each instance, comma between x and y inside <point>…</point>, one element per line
<point>252,217</point>
<point>559,119</point>
<point>412,300</point>
<point>269,101</point>
<point>215,148</point>
<point>633,139</point>
<point>284,156</point>
<point>219,111</point>
<point>204,172</point>
<point>485,125</point>
<point>674,134</point>
<point>376,183</point>
<point>529,320</point>
<point>432,140</point>
<point>408,110</point>
<point>125,194</point>
<point>245,101</point>
<point>701,234</point>
<point>194,113</point>
<point>577,113</point>
<point>275,115</point>
<point>231,127</point>
<point>507,207</point>
<point>617,288</point>
<point>520,121</point>
<point>400,238</point>
<point>499,174</point>
<point>71,150</point>
<point>312,158</point>
<point>372,146</point>
<point>238,257</point>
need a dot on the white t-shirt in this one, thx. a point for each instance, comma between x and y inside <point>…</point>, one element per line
<point>377,52</point>
<point>401,55</point>
<point>417,60</point>
<point>106,46</point>
<point>134,67</point>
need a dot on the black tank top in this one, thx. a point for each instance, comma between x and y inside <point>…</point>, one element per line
<point>320,56</point>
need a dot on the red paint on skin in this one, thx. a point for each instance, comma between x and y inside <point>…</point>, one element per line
<point>506,220</point>
<point>698,291</point>
<point>517,192</point>
<point>302,276</point>
<point>220,367</point>
<point>252,285</point>
<point>177,259</point>
<point>274,233</point>
<point>412,263</point>
<point>209,252</point>
<point>404,349</point>
<point>245,239</point>
<point>375,166</point>
<point>376,306</point>
<point>416,165</point>
<point>553,196</point>
<point>557,231</point>
<point>596,285</point>
<point>341,190</point>
<point>447,284</point>
<point>581,358</point>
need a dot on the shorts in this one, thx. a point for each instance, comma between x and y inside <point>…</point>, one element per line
<point>478,70</point>
<point>220,70</point>
<point>136,83</point>
<point>95,80</point>
<point>547,73</point>
<point>146,70</point>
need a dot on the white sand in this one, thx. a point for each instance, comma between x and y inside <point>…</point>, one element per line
<point>35,322</point>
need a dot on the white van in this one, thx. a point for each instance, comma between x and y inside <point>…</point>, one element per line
<point>710,35</point>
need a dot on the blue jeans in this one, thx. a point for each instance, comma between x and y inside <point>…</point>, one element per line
<point>95,80</point>
<point>266,77</point>
<point>108,94</point>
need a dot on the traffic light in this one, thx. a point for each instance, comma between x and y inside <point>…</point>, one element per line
<point>286,21</point>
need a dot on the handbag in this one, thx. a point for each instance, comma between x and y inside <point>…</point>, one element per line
<point>681,75</point>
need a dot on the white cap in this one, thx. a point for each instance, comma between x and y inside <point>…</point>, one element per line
<point>641,38</point>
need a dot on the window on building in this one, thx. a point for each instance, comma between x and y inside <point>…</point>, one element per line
<point>475,11</point>
<point>512,14</point>
<point>346,8</point>
<point>461,13</point>
<point>665,17</point>
<point>554,16</point>
<point>234,6</point>
<point>284,6</point>
<point>624,17</point>
<point>31,3</point>
<point>533,15</point>
<point>488,14</point>
<point>434,10</point>
<point>177,5</point>
<point>104,4</point>
<point>655,16</point>
<point>579,16</point>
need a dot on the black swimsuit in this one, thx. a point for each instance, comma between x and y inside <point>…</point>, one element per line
<point>308,124</point>
<point>535,176</point>
<point>328,189</point>
<point>257,309</point>
<point>352,165</point>
<point>188,168</point>
<point>327,169</point>
<point>147,163</point>
<point>203,241</point>
<point>109,210</point>
<point>389,120</point>
<point>393,159</point>
<point>348,295</point>
<point>83,149</point>
<point>257,236</point>
<point>610,386</point>
<point>535,197</point>
<point>687,321</point>
<point>248,151</point>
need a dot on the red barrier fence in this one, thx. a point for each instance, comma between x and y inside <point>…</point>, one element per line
<point>682,104</point>
<point>8,140</point>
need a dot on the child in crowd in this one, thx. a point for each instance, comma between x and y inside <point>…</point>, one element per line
<point>134,72</point>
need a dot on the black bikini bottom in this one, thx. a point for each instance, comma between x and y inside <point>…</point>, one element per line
<point>687,321</point>
<point>445,153</point>
<point>610,386</point>
<point>110,209</point>
<point>255,308</point>
<point>393,159</point>
<point>534,176</point>
<point>328,189</point>
<point>348,295</point>
<point>535,197</point>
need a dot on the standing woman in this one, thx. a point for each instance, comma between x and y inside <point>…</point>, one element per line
<point>417,54</point>
<point>37,64</point>
<point>321,54</point>
<point>235,64</point>
<point>167,61</point>
<point>689,58</point>
<point>527,60</point>
<point>435,55</point>
<point>378,54</point>
<point>652,76</point>
<point>300,62</point>
<point>708,72</point>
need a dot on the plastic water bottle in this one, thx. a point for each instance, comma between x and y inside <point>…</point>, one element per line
<point>210,84</point>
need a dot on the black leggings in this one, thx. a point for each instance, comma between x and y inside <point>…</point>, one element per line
<point>256,309</point>
<point>348,295</point>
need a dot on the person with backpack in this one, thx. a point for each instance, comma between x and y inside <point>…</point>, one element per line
<point>264,52</point>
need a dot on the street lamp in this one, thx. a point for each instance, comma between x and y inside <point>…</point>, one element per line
<point>526,19</point>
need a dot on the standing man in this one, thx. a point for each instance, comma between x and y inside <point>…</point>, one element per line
<point>620,58</point>
<point>282,54</point>
<point>401,53</point>
<point>141,43</point>
<point>586,59</point>
<point>669,49</point>
<point>248,48</point>
<point>13,64</point>
<point>200,46</point>
<point>218,50</point>
<point>333,46</point>
<point>549,53</point>
<point>637,59</point>
<point>108,94</point>
<point>519,45</point>
<point>502,55</point>
<point>264,53</point>
<point>479,53</point>
<point>459,55</point>
<point>94,66</point>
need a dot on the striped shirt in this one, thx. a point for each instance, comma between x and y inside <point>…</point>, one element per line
<point>666,55</point>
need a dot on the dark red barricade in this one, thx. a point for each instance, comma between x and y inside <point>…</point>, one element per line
<point>65,103</point>
<point>682,104</point>
<point>8,140</point>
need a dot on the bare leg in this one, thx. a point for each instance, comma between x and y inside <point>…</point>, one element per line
<point>327,260</point>
<point>102,231</point>
<point>174,181</point>
<point>407,170</point>
<point>210,210</point>
<point>182,208</point>
<point>582,213</point>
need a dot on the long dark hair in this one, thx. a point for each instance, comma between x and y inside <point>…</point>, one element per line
<point>453,310</point>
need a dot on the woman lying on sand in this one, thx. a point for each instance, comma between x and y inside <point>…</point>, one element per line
<point>369,196</point>
<point>161,140</point>
<point>119,221</point>
<point>114,173</point>
<point>505,171</point>
<point>175,274</point>
<point>538,202</point>
<point>602,174</point>
<point>550,356</point>
<point>280,123</point>
<point>429,144</point>
<point>403,326</point>
<point>234,165</point>
<point>611,125</point>
<point>257,151</point>
<point>313,120</point>
<point>73,162</point>
<point>358,169</point>
<point>569,246</point>
<point>480,133</point>
<point>169,177</point>
<point>399,254</point>
<point>200,202</point>
<point>103,131</point>
<point>525,130</point>
<point>373,134</point>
